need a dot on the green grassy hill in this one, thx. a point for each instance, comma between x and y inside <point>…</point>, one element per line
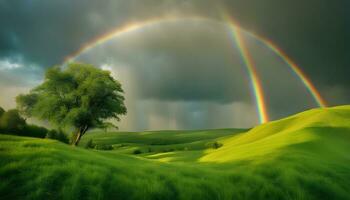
<point>305,156</point>
<point>152,142</point>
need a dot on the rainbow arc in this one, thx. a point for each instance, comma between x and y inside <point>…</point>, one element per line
<point>256,85</point>
<point>236,32</point>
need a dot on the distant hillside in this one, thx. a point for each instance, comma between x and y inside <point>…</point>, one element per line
<point>159,141</point>
<point>323,129</point>
<point>305,156</point>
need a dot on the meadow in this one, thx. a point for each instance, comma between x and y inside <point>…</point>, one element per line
<point>305,156</point>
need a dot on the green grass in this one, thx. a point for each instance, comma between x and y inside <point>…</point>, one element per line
<point>159,141</point>
<point>305,156</point>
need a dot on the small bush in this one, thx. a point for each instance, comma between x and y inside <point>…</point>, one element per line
<point>34,131</point>
<point>57,135</point>
<point>217,145</point>
<point>90,144</point>
<point>137,151</point>
<point>63,137</point>
<point>214,145</point>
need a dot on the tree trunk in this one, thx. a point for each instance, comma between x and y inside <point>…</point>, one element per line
<point>81,132</point>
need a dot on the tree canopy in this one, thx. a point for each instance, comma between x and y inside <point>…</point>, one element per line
<point>79,95</point>
<point>2,111</point>
<point>12,121</point>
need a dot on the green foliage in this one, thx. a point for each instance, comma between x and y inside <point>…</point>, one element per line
<point>57,135</point>
<point>26,103</point>
<point>11,121</point>
<point>90,144</point>
<point>137,151</point>
<point>2,111</point>
<point>80,96</point>
<point>31,130</point>
<point>217,145</point>
<point>214,145</point>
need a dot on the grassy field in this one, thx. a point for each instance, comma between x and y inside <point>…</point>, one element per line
<point>152,142</point>
<point>305,156</point>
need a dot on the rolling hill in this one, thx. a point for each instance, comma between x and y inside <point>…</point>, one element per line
<point>305,156</point>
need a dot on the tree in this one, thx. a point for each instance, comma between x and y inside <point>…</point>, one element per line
<point>79,96</point>
<point>26,103</point>
<point>2,111</point>
<point>12,121</point>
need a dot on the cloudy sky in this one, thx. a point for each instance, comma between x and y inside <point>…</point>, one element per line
<point>185,74</point>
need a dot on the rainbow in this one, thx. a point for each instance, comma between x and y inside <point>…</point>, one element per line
<point>299,72</point>
<point>128,28</point>
<point>236,35</point>
<point>294,67</point>
<point>257,88</point>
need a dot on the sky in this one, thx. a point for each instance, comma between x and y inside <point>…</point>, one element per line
<point>186,73</point>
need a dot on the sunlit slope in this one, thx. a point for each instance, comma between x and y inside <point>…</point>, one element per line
<point>319,130</point>
<point>305,156</point>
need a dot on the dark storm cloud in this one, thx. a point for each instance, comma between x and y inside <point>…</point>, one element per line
<point>184,61</point>
<point>285,93</point>
<point>45,32</point>
<point>197,66</point>
<point>313,32</point>
<point>156,115</point>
